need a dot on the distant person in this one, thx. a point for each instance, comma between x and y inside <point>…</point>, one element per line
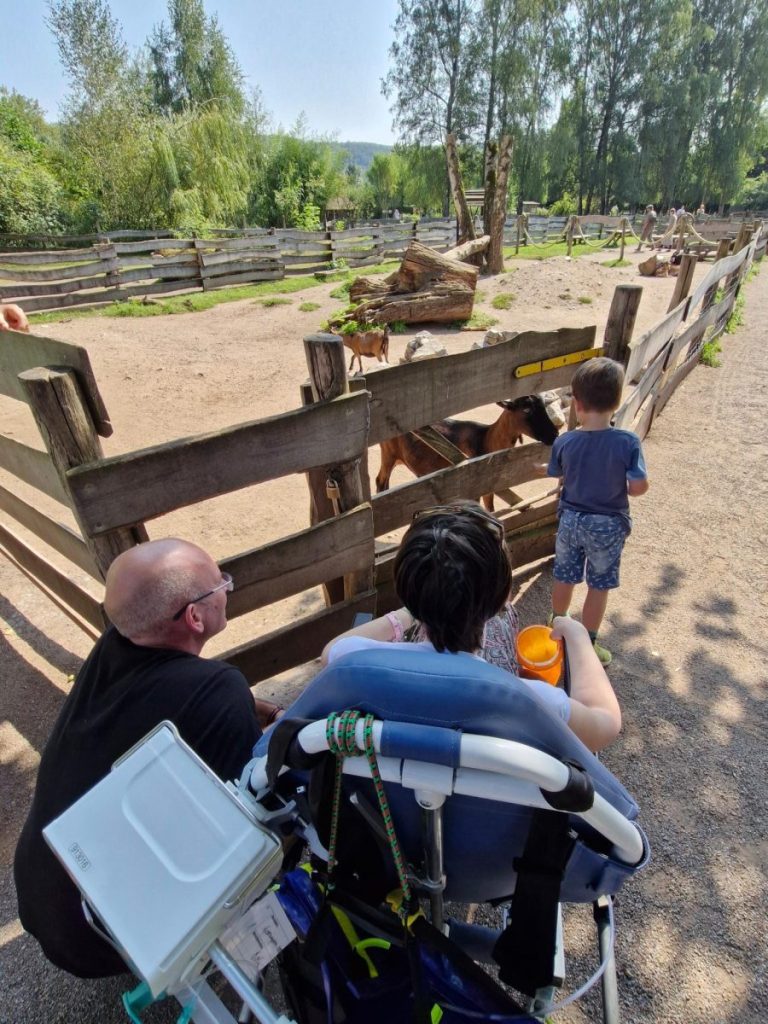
<point>681,210</point>
<point>165,599</point>
<point>396,215</point>
<point>614,210</point>
<point>601,467</point>
<point>701,213</point>
<point>648,227</point>
<point>13,318</point>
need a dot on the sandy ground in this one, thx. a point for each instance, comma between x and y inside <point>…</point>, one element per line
<point>687,627</point>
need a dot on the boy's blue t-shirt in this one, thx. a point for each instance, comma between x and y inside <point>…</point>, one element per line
<point>595,466</point>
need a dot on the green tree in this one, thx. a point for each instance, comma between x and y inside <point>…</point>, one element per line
<point>192,62</point>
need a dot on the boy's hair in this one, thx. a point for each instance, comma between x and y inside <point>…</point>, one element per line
<point>598,383</point>
<point>452,573</point>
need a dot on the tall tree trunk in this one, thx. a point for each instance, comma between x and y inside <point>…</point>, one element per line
<point>466,227</point>
<point>495,252</point>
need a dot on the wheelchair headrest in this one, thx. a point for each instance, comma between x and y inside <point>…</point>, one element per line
<point>458,692</point>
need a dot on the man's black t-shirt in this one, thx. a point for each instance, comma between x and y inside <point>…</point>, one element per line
<point>121,693</point>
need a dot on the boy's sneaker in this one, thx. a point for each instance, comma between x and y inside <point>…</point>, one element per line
<point>604,655</point>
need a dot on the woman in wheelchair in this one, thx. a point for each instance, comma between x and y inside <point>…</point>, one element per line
<point>452,574</point>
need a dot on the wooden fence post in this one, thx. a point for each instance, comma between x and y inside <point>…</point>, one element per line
<point>517,238</point>
<point>66,427</point>
<point>339,488</point>
<point>569,236</point>
<point>623,238</point>
<point>621,321</point>
<point>684,279</point>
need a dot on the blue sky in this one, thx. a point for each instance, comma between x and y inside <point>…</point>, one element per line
<point>325,58</point>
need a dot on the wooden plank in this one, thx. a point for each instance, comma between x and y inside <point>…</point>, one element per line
<point>410,395</point>
<point>33,467</point>
<point>20,352</point>
<point>629,407</point>
<point>58,536</point>
<point>52,579</point>
<point>304,560</point>
<point>293,234</point>
<point>238,256</point>
<point>39,258</point>
<point>154,245</point>
<point>674,380</point>
<point>715,274</point>
<point>61,274</point>
<point>321,260</point>
<point>141,485</point>
<point>469,479</point>
<point>21,291</point>
<point>647,345</point>
<point>530,547</point>
<point>262,245</point>
<point>209,284</point>
<point>101,297</point>
<point>297,644</point>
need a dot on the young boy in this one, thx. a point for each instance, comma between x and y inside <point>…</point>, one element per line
<point>601,468</point>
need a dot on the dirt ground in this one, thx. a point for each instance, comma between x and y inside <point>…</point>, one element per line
<point>687,627</point>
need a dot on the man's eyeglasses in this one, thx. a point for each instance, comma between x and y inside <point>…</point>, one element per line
<point>475,511</point>
<point>227,583</point>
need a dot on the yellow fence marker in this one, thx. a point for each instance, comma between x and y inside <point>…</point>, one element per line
<point>529,369</point>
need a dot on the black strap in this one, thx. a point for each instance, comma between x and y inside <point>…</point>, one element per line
<point>525,950</point>
<point>283,750</point>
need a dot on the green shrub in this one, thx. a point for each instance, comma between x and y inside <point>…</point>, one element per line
<point>709,353</point>
<point>503,300</point>
<point>479,321</point>
<point>309,307</point>
<point>586,300</point>
<point>398,327</point>
<point>342,292</point>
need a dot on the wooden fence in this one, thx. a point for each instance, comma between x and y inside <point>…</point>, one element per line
<point>111,499</point>
<point>130,264</point>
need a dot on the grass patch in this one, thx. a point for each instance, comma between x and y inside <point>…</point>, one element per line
<point>398,327</point>
<point>480,295</point>
<point>586,300</point>
<point>479,321</point>
<point>503,300</point>
<point>736,319</point>
<point>709,353</point>
<point>544,252</point>
<point>309,307</point>
<point>275,300</point>
<point>342,292</point>
<point>618,262</point>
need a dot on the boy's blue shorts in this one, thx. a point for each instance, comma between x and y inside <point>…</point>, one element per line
<point>591,540</point>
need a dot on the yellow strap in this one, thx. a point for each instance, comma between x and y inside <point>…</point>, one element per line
<point>529,369</point>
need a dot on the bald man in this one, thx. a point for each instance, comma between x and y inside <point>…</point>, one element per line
<point>165,600</point>
<point>13,318</point>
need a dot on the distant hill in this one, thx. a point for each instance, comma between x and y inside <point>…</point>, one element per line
<point>362,153</point>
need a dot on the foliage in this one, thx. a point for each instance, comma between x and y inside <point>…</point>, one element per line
<point>736,319</point>
<point>398,327</point>
<point>709,353</point>
<point>274,300</point>
<point>564,206</point>
<point>586,300</point>
<point>479,321</point>
<point>503,300</point>
<point>309,307</point>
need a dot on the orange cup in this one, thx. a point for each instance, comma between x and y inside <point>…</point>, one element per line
<point>539,655</point>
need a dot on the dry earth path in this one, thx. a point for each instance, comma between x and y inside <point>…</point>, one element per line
<point>689,629</point>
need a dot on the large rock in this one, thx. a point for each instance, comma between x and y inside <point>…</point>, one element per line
<point>494,337</point>
<point>424,346</point>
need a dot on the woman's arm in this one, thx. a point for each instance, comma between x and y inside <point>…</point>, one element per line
<point>595,713</point>
<point>383,628</point>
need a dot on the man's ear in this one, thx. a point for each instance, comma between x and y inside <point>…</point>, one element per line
<point>193,619</point>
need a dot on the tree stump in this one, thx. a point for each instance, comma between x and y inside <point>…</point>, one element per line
<point>427,287</point>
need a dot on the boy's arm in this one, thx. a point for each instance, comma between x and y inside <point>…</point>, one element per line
<point>637,474</point>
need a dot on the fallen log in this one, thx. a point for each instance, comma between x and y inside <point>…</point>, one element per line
<point>428,286</point>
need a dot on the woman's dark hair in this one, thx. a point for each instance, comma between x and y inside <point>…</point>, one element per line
<point>452,573</point>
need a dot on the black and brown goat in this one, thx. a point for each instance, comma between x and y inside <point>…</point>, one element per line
<point>526,415</point>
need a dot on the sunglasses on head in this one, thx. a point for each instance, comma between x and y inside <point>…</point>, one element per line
<point>227,583</point>
<point>473,511</point>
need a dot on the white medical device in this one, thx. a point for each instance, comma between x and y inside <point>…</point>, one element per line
<point>166,854</point>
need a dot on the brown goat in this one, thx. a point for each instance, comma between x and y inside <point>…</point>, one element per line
<point>527,415</point>
<point>367,343</point>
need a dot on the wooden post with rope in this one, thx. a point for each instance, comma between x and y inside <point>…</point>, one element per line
<point>684,279</point>
<point>623,238</point>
